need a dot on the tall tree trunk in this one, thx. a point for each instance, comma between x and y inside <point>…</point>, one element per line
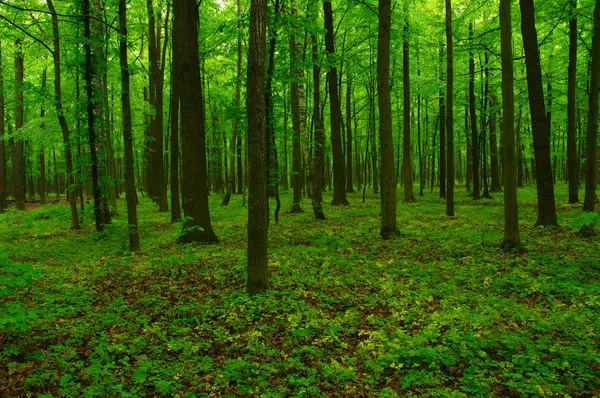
<point>319,130</point>
<point>349,177</point>
<point>419,146</point>
<point>130,196</point>
<point>296,150</point>
<point>589,202</point>
<point>571,104</point>
<point>406,155</point>
<point>512,240</point>
<point>2,142</point>
<point>442,100</point>
<point>449,115</point>
<point>175,196</point>
<point>19,154</point>
<point>539,119</point>
<point>41,159</point>
<point>194,189</point>
<point>386,141</point>
<point>495,170</point>
<point>339,178</point>
<point>473,115</point>
<point>258,204</point>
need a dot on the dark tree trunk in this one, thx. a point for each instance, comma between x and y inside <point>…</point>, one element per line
<point>449,110</point>
<point>442,160</point>
<point>407,171</point>
<point>495,170</point>
<point>386,141</point>
<point>319,130</point>
<point>134,239</point>
<point>473,120</point>
<point>258,204</point>
<point>175,196</point>
<point>194,188</point>
<point>589,202</point>
<point>349,177</point>
<point>41,159</point>
<point>539,119</point>
<point>571,98</point>
<point>339,178</point>
<point>2,142</point>
<point>511,240</point>
<point>296,150</point>
<point>19,154</point>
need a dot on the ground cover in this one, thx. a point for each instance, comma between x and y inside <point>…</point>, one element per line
<point>439,311</point>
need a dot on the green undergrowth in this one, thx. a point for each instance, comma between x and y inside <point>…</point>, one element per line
<point>438,311</point>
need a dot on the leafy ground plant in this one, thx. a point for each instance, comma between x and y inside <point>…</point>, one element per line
<point>438,311</point>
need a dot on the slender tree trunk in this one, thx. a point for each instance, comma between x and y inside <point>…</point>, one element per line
<point>258,204</point>
<point>194,189</point>
<point>41,159</point>
<point>130,196</point>
<point>339,178</point>
<point>319,130</point>
<point>449,110</point>
<point>296,150</point>
<point>589,202</point>
<point>495,170</point>
<point>442,99</point>
<point>512,240</point>
<point>2,142</point>
<point>19,154</point>
<point>473,120</point>
<point>571,104</point>
<point>386,141</point>
<point>406,155</point>
<point>419,146</point>
<point>349,176</point>
<point>539,119</point>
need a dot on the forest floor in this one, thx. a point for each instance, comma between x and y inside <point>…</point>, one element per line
<point>439,311</point>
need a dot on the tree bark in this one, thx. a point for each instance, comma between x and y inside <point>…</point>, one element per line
<point>473,118</point>
<point>495,169</point>
<point>41,159</point>
<point>349,138</point>
<point>19,154</point>
<point>130,196</point>
<point>449,115</point>
<point>386,141</point>
<point>407,171</point>
<point>512,240</point>
<point>539,119</point>
<point>194,188</point>
<point>442,160</point>
<point>2,142</point>
<point>175,193</point>
<point>339,178</point>
<point>258,205</point>
<point>571,104</point>
<point>589,202</point>
<point>66,134</point>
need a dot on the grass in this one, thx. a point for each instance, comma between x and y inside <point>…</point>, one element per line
<point>439,311</point>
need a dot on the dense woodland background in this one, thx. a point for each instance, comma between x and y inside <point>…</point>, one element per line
<point>417,179</point>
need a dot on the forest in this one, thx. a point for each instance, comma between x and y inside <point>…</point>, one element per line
<point>358,198</point>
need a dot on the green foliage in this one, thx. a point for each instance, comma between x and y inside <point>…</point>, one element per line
<point>14,275</point>
<point>584,218</point>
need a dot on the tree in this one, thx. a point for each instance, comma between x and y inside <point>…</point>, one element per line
<point>58,104</point>
<point>349,179</point>
<point>339,178</point>
<point>258,205</point>
<point>473,116</point>
<point>572,162</point>
<point>19,154</point>
<point>386,141</point>
<point>194,182</point>
<point>442,121</point>
<point>134,239</point>
<point>589,202</point>
<point>2,143</point>
<point>540,124</point>
<point>449,113</point>
<point>409,196</point>
<point>512,241</point>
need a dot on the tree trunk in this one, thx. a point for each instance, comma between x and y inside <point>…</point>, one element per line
<point>589,202</point>
<point>134,240</point>
<point>318,161</point>
<point>449,110</point>
<point>442,160</point>
<point>41,159</point>
<point>349,176</point>
<point>495,170</point>
<point>473,120</point>
<point>386,141</point>
<point>296,150</point>
<point>258,204</point>
<point>175,196</point>
<point>2,142</point>
<point>571,104</point>
<point>406,155</point>
<point>19,154</point>
<point>512,241</point>
<point>339,178</point>
<point>194,189</point>
<point>539,119</point>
